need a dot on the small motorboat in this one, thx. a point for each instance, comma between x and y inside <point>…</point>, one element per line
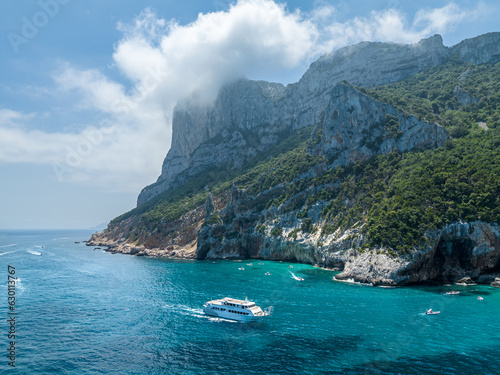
<point>261,264</point>
<point>249,264</point>
<point>430,312</point>
<point>268,273</point>
<point>480,298</point>
<point>241,268</point>
<point>290,266</point>
<point>452,292</point>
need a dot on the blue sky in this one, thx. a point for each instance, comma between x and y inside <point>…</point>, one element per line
<point>88,87</point>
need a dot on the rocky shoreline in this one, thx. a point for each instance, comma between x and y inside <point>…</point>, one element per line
<point>172,252</point>
<point>346,126</point>
<point>446,261</point>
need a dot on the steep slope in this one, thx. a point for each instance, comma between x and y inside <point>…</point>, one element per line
<point>347,182</point>
<point>263,110</point>
<point>255,114</point>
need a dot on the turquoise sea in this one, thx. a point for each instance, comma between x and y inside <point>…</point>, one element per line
<point>84,311</point>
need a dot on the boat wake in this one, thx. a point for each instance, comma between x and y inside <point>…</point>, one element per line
<point>196,313</point>
<point>14,244</point>
<point>8,252</point>
<point>33,252</point>
<point>298,278</point>
<point>352,281</point>
<point>217,319</point>
<point>19,285</point>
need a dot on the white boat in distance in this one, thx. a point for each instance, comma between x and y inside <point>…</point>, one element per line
<point>236,309</point>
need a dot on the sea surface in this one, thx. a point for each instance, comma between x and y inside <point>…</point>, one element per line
<point>85,311</point>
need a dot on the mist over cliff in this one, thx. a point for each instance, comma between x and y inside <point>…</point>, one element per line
<point>266,109</point>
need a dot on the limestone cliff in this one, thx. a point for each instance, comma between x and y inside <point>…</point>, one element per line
<point>248,116</point>
<point>347,127</point>
<point>353,129</point>
<point>458,251</point>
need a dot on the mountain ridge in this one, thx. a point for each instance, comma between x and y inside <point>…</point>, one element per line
<point>324,186</point>
<point>244,104</point>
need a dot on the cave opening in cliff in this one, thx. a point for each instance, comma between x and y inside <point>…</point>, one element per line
<point>453,259</point>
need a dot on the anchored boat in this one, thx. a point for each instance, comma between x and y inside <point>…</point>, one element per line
<point>430,312</point>
<point>235,309</point>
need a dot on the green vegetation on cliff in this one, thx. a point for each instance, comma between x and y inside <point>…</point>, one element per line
<point>397,196</point>
<point>279,164</point>
<point>401,195</point>
<point>455,95</point>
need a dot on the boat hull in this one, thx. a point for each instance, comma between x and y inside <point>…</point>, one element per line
<point>230,316</point>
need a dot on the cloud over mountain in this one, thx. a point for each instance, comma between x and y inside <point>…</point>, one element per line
<point>162,61</point>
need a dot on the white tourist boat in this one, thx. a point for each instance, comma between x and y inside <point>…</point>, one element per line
<point>236,309</point>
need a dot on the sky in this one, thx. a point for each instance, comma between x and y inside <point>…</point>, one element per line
<point>88,87</point>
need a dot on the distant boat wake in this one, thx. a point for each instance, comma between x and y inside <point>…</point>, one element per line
<point>33,252</point>
<point>197,313</point>
<point>8,252</point>
<point>298,278</point>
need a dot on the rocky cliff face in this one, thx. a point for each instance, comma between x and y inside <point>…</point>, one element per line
<point>249,116</point>
<point>460,251</point>
<point>232,125</point>
<point>479,50</point>
<point>371,64</point>
<point>355,127</point>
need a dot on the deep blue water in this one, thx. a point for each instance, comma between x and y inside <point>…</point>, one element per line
<point>82,311</point>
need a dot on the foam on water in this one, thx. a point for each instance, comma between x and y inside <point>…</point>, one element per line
<point>33,252</point>
<point>9,252</point>
<point>352,281</point>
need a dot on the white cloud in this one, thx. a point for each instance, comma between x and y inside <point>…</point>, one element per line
<point>165,61</point>
<point>10,118</point>
<point>216,48</point>
<point>440,20</point>
<point>393,26</point>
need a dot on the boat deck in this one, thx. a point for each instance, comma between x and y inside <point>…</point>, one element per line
<point>233,301</point>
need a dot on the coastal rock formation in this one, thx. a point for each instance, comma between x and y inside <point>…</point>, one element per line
<point>248,116</point>
<point>342,126</point>
<point>458,251</point>
<point>479,50</point>
<point>356,127</point>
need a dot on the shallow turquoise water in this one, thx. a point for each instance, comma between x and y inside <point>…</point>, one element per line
<point>83,311</point>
